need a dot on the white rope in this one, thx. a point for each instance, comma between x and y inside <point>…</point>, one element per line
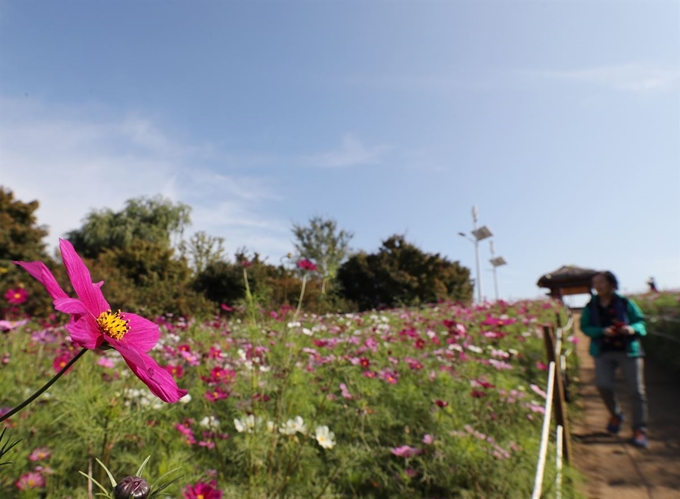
<point>558,463</point>
<point>666,336</point>
<point>656,318</point>
<point>543,450</point>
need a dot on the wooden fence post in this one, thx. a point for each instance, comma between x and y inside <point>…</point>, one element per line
<point>558,393</point>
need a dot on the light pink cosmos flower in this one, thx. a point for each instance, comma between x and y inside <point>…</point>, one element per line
<point>39,454</point>
<point>30,480</point>
<point>9,325</point>
<point>106,362</point>
<point>345,392</point>
<point>405,451</point>
<point>93,324</point>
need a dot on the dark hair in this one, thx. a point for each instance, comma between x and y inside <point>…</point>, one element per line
<point>610,277</point>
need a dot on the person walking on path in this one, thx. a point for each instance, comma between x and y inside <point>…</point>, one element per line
<point>615,325</point>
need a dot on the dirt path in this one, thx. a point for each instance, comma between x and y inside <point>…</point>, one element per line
<point>613,467</point>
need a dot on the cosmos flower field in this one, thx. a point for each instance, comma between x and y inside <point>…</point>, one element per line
<point>432,402</point>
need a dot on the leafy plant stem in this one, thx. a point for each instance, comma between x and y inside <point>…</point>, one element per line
<point>44,388</point>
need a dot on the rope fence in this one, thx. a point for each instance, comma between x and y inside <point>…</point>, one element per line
<point>555,396</point>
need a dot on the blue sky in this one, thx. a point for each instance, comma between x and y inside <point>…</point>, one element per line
<point>560,120</point>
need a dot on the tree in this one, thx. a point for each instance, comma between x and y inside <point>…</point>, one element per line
<point>402,274</point>
<point>21,238</point>
<point>156,220</point>
<point>203,250</point>
<point>147,277</point>
<point>321,242</point>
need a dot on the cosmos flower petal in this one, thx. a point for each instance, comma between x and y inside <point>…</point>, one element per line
<point>40,272</point>
<point>159,381</point>
<point>143,334</point>
<point>70,306</point>
<point>85,332</point>
<point>89,293</point>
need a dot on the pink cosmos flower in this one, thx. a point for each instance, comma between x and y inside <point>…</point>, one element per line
<point>39,454</point>
<point>202,490</point>
<point>93,324</point>
<point>345,392</point>
<point>216,394</point>
<point>307,265</point>
<point>16,296</point>
<point>60,361</point>
<point>428,439</point>
<point>175,371</point>
<point>392,377</point>
<point>30,480</point>
<point>405,451</point>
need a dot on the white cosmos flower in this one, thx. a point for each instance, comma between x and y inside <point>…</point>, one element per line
<point>293,426</point>
<point>210,422</point>
<point>325,437</point>
<point>247,424</point>
<point>186,399</point>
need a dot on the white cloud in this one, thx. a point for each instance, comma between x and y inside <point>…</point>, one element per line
<point>352,152</point>
<point>73,160</point>
<point>631,77</point>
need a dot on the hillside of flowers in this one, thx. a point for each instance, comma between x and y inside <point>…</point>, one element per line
<point>433,402</point>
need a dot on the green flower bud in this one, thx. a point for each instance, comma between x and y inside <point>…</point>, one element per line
<point>131,487</point>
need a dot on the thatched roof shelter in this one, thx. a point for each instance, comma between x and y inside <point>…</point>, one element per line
<point>568,280</point>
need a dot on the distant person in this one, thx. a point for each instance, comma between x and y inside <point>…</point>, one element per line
<point>615,325</point>
<point>652,285</point>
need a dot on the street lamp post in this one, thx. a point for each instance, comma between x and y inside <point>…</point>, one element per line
<point>496,262</point>
<point>479,234</point>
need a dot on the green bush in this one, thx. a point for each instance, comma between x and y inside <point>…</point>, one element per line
<point>401,274</point>
<point>662,311</point>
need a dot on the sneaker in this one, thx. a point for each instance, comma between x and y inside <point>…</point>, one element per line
<point>640,439</point>
<point>615,424</point>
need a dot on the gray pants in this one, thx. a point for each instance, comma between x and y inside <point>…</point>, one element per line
<point>633,367</point>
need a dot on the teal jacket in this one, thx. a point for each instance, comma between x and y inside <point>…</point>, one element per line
<point>636,320</point>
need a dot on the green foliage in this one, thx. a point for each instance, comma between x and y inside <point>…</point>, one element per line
<point>662,311</point>
<point>202,250</point>
<point>280,370</point>
<point>146,276</point>
<point>322,243</point>
<point>402,274</point>
<point>21,238</point>
<point>156,220</point>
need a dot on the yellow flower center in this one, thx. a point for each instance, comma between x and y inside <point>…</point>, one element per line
<point>112,324</point>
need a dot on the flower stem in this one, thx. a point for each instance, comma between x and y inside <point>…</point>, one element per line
<point>41,390</point>
<point>302,294</point>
